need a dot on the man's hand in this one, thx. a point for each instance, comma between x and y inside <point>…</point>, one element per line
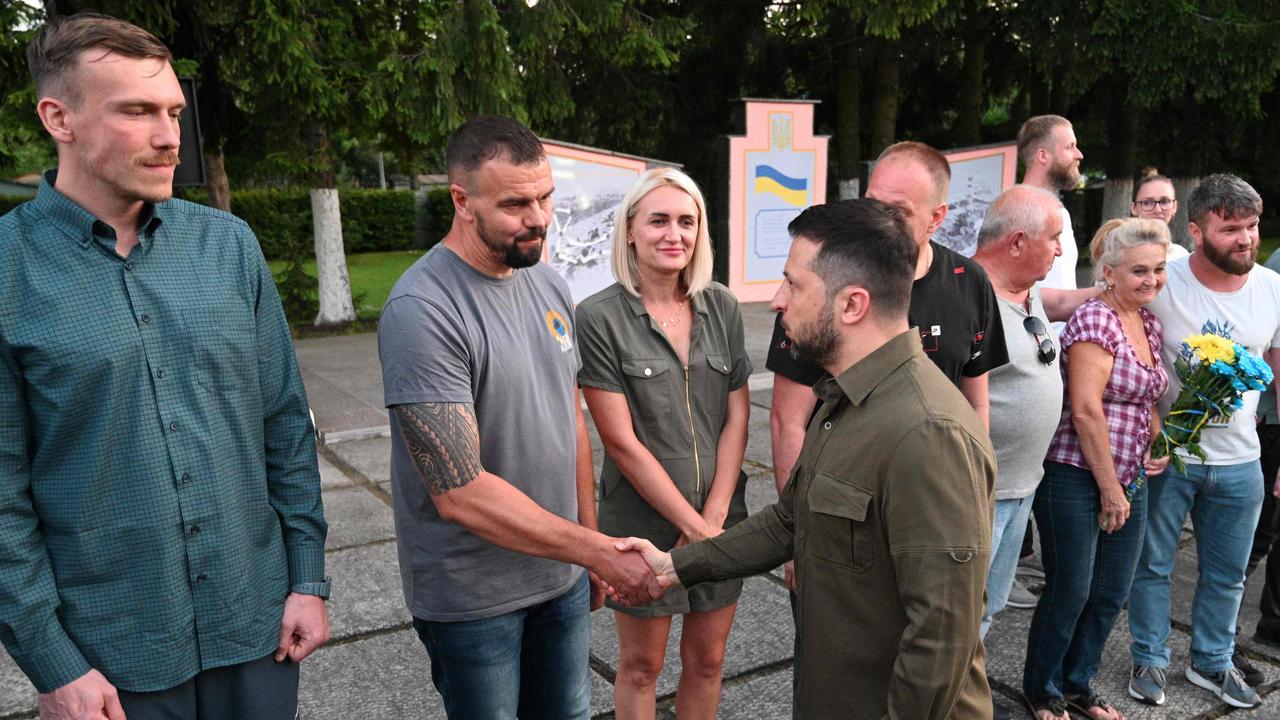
<point>599,589</point>
<point>659,562</point>
<point>789,575</point>
<point>88,697</point>
<point>630,580</point>
<point>303,628</point>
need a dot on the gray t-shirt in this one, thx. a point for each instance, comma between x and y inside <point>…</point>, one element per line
<point>451,334</point>
<point>1026,402</point>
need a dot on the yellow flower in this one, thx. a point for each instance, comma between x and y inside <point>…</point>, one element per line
<point>1212,347</point>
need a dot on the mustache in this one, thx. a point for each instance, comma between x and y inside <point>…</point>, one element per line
<point>538,233</point>
<point>162,158</point>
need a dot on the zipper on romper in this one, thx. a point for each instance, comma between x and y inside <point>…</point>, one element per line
<point>697,461</point>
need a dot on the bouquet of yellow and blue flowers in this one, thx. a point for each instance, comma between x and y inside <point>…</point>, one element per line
<point>1215,374</point>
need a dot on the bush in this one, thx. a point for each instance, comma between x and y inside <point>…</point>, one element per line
<point>9,202</point>
<point>372,220</point>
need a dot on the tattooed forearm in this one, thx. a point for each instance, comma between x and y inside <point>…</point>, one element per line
<point>444,442</point>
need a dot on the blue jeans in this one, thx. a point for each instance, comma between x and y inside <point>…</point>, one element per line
<point>530,663</point>
<point>1224,501</point>
<point>1087,575</point>
<point>1008,526</point>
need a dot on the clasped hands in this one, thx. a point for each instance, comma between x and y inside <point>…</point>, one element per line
<point>636,572</point>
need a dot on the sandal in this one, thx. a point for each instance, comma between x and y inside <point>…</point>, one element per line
<point>1056,706</point>
<point>1088,705</point>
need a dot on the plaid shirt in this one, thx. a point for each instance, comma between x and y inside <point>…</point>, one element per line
<point>1131,391</point>
<point>158,483</point>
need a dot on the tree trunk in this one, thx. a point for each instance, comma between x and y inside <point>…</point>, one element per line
<point>216,182</point>
<point>1122,130</point>
<point>973,82</point>
<point>1182,188</point>
<point>884,100</point>
<point>331,262</point>
<point>848,130</point>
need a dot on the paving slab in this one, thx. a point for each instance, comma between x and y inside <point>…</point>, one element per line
<point>384,676</point>
<point>367,595</point>
<point>330,476</point>
<point>762,634</point>
<point>17,696</point>
<point>370,458</point>
<point>757,696</point>
<point>356,517</point>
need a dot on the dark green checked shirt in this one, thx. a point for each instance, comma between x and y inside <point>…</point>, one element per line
<point>158,484</point>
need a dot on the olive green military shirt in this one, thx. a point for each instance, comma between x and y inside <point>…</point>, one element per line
<point>888,511</point>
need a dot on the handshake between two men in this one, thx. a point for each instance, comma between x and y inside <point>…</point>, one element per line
<point>629,583</point>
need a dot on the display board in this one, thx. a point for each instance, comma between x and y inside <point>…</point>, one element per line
<point>590,185</point>
<point>978,175</point>
<point>776,170</point>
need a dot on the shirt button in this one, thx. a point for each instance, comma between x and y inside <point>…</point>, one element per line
<point>186,477</point>
<point>725,368</point>
<point>648,372</point>
<point>128,267</point>
<point>195,529</point>
<point>826,425</point>
<point>201,577</point>
<point>160,373</point>
<point>173,426</point>
<point>146,319</point>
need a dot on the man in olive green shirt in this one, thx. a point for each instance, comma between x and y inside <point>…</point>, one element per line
<point>890,525</point>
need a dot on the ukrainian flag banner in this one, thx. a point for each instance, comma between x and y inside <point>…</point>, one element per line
<point>791,190</point>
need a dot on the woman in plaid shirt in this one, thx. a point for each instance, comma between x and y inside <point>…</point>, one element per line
<point>1092,532</point>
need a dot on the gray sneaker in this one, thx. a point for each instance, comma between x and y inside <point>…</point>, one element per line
<point>1146,684</point>
<point>1229,685</point>
<point>1021,596</point>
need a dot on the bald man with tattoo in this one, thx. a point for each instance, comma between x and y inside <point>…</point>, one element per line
<point>491,463</point>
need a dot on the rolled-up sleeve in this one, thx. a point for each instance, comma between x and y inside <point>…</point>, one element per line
<point>938,521</point>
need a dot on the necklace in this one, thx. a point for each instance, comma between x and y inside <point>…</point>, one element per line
<point>674,318</point>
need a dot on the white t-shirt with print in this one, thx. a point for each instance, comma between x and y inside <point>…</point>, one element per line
<point>1249,316</point>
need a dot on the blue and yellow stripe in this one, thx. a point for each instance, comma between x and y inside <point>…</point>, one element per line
<point>792,190</point>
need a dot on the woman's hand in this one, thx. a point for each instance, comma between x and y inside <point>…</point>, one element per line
<point>1115,509</point>
<point>1154,466</point>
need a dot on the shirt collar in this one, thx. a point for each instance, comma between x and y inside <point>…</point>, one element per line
<point>857,382</point>
<point>637,305</point>
<point>80,224</point>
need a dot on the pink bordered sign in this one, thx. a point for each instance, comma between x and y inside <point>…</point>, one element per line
<point>776,170</point>
<point>978,175</point>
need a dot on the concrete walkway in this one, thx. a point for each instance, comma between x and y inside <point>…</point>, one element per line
<point>376,668</point>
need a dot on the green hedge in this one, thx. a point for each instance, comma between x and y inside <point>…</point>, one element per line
<point>372,220</point>
<point>9,202</point>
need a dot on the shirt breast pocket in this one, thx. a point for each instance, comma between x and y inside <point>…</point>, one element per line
<point>223,347</point>
<point>650,383</point>
<point>838,532</point>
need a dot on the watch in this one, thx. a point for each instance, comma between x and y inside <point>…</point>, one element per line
<point>320,588</point>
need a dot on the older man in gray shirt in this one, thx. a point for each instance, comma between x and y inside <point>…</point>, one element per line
<point>1017,244</point>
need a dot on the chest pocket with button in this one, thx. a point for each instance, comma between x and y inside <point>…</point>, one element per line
<point>837,530</point>
<point>715,391</point>
<point>651,385</point>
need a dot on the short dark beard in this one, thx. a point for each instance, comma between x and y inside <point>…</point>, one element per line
<point>1063,177</point>
<point>1223,261</point>
<point>816,343</point>
<point>512,256</point>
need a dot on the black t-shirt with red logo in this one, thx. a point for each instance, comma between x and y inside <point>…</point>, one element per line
<point>955,310</point>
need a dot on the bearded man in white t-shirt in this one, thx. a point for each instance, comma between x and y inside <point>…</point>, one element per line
<point>1218,289</point>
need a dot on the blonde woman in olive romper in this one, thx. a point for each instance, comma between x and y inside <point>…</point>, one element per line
<point>664,372</point>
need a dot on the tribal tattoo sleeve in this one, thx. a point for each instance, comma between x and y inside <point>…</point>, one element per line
<point>444,442</point>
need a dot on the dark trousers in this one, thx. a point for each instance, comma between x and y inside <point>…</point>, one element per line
<point>1267,537</point>
<point>257,690</point>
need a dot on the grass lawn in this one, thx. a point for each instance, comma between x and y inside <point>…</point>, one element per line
<point>372,277</point>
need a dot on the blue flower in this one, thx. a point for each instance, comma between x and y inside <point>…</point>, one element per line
<point>1239,385</point>
<point>1222,368</point>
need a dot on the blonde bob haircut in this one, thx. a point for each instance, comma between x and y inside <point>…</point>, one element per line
<point>697,274</point>
<point>1117,236</point>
